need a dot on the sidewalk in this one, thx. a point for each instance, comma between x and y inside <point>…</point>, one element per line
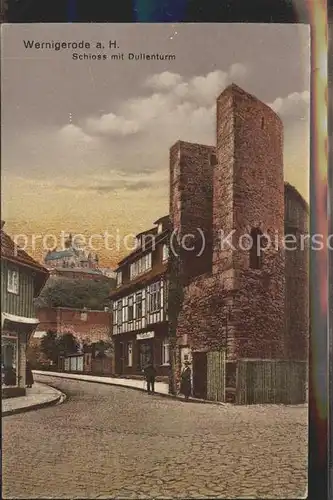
<point>39,396</point>
<point>161,388</point>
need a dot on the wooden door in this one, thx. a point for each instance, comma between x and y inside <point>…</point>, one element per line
<point>199,375</point>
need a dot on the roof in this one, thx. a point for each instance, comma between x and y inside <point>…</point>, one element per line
<point>153,230</point>
<point>11,252</point>
<point>165,218</point>
<point>59,254</point>
<point>143,279</point>
<point>141,250</point>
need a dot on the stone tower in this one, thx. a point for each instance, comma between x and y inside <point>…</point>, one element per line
<point>191,191</point>
<point>248,201</point>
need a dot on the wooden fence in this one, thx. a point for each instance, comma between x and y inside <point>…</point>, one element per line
<point>271,381</point>
<point>216,376</point>
<point>209,375</point>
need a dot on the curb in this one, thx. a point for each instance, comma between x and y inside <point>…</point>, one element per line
<point>170,396</point>
<point>58,399</point>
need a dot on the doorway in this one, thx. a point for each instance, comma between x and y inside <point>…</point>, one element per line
<point>145,353</point>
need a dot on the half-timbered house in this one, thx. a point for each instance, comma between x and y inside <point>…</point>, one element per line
<point>139,304</point>
<point>22,279</point>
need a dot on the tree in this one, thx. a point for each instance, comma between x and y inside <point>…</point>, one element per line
<point>75,294</point>
<point>49,346</point>
<point>67,344</point>
<point>101,347</point>
<point>54,345</point>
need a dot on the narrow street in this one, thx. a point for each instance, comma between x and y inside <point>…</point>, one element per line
<point>114,442</point>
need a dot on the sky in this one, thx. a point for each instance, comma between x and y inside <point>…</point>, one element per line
<point>85,143</point>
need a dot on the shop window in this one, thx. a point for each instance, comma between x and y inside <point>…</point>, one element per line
<point>165,355</point>
<point>13,281</point>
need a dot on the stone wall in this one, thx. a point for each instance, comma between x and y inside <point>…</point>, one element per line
<point>248,193</point>
<point>297,276</point>
<point>88,326</point>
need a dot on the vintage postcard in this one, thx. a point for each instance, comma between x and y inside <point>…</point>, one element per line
<point>154,236</point>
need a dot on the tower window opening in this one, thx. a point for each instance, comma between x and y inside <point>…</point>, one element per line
<point>262,123</point>
<point>213,159</point>
<point>256,250</point>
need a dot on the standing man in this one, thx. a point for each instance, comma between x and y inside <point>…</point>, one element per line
<point>186,383</point>
<point>150,375</point>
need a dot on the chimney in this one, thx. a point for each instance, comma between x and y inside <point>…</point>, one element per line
<point>2,224</point>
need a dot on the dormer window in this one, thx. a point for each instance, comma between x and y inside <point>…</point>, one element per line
<point>139,241</point>
<point>119,278</point>
<point>159,228</point>
<point>165,252</point>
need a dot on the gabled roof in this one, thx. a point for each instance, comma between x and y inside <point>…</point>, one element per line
<point>11,252</point>
<point>140,281</point>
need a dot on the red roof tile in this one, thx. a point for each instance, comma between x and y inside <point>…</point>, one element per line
<point>12,252</point>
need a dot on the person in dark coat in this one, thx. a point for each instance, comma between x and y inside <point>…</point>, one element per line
<point>185,382</point>
<point>29,378</point>
<point>150,375</point>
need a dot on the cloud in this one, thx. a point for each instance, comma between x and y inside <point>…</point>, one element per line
<point>110,188</point>
<point>112,124</point>
<point>127,147</point>
<point>172,98</point>
<point>72,133</point>
<point>295,105</point>
<point>163,81</point>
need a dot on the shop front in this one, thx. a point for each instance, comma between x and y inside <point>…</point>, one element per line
<point>134,350</point>
<point>16,332</point>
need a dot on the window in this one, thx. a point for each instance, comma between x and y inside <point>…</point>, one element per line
<point>119,312</point>
<point>13,281</point>
<point>213,159</point>
<point>159,229</point>
<point>155,298</point>
<point>130,308</point>
<point>165,252</point>
<point>140,266</point>
<point>256,250</point>
<point>119,278</point>
<point>165,355</point>
<point>262,123</point>
<point>84,316</point>
<point>129,353</point>
<point>139,305</point>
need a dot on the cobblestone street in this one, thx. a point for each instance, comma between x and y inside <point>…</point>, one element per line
<point>114,442</point>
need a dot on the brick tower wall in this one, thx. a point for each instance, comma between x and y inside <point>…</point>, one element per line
<point>297,276</point>
<point>249,194</point>
<point>191,191</point>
